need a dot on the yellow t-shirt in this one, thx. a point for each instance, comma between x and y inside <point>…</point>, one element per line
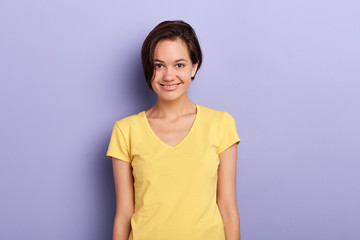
<point>175,186</point>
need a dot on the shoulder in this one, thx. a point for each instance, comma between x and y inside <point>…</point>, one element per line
<point>214,115</point>
<point>129,121</point>
<point>215,119</point>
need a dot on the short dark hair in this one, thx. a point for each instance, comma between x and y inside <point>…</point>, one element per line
<point>169,30</point>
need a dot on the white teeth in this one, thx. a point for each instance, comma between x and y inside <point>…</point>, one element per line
<point>170,85</point>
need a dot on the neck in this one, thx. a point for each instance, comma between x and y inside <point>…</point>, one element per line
<point>172,109</point>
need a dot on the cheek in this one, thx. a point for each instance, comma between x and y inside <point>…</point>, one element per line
<point>186,74</point>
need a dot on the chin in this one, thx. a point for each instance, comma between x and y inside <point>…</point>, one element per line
<point>170,97</point>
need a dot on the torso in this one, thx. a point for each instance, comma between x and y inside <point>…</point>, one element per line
<point>170,180</point>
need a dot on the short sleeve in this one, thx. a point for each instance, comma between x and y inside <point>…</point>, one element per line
<point>119,144</point>
<point>227,133</point>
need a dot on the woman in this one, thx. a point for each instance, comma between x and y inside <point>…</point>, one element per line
<point>174,164</point>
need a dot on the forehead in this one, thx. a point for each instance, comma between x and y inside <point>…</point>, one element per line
<point>171,49</point>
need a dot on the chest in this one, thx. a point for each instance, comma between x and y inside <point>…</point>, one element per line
<point>173,151</point>
<point>155,162</point>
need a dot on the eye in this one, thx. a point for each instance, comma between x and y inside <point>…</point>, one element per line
<point>158,65</point>
<point>180,65</point>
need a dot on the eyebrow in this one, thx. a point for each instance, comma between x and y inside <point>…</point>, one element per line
<point>179,60</point>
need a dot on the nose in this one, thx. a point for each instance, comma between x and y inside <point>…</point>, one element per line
<point>169,74</point>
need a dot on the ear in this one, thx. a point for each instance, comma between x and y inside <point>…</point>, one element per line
<point>194,68</point>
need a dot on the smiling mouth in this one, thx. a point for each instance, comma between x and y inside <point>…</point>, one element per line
<point>170,85</point>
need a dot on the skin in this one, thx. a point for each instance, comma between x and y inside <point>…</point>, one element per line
<point>171,119</point>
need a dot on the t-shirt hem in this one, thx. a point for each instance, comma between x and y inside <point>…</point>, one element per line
<point>118,156</point>
<point>226,146</point>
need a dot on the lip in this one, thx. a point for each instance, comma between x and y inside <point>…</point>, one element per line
<point>167,88</point>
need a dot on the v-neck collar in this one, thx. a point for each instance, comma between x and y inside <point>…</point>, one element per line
<point>143,114</point>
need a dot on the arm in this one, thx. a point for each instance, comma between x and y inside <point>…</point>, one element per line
<point>124,189</point>
<point>226,193</point>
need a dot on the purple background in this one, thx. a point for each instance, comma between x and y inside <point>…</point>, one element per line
<point>288,71</point>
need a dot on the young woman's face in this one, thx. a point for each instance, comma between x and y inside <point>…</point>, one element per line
<point>173,69</point>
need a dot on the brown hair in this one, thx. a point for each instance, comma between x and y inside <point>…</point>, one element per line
<point>169,30</point>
